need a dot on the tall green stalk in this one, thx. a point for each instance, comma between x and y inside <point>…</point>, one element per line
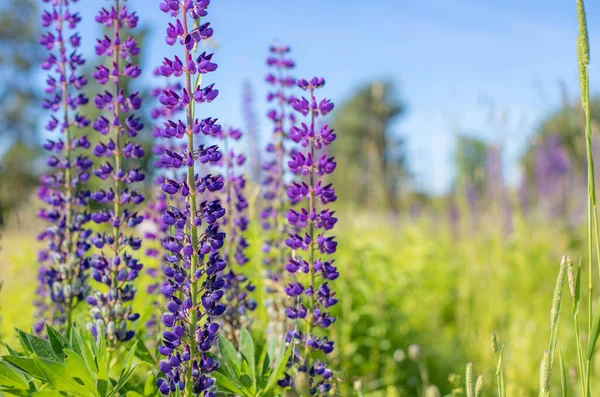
<point>583,60</point>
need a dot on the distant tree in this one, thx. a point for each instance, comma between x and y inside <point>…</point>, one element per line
<point>371,156</point>
<point>566,125</point>
<point>18,175</point>
<point>470,158</point>
<point>20,56</point>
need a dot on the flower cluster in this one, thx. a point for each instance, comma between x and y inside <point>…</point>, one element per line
<point>310,291</point>
<point>235,223</point>
<point>273,185</point>
<point>115,266</point>
<point>193,267</point>
<point>63,273</point>
<point>158,230</point>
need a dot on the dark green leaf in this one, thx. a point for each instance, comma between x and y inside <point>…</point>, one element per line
<point>24,342</point>
<point>58,343</point>
<point>246,381</point>
<point>41,347</point>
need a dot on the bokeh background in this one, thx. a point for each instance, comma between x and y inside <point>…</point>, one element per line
<point>461,167</point>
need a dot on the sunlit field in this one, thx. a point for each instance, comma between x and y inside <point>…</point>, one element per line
<point>164,233</point>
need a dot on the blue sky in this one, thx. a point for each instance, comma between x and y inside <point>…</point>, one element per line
<point>487,67</point>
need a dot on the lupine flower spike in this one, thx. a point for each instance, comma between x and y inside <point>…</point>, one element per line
<point>235,222</point>
<point>310,291</point>
<point>276,203</point>
<point>158,231</point>
<point>63,272</point>
<point>193,267</point>
<point>115,266</point>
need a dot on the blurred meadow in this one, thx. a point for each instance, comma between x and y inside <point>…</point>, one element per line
<point>461,181</point>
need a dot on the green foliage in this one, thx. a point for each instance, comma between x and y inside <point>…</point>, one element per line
<point>81,367</point>
<point>245,373</point>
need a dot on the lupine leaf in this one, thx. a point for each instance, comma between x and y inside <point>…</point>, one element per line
<point>12,351</point>
<point>76,366</point>
<point>126,371</point>
<point>247,350</point>
<point>48,393</point>
<point>86,351</point>
<point>229,374</point>
<point>60,377</point>
<point>595,332</point>
<point>26,365</point>
<point>279,367</point>
<point>41,347</point>
<point>57,342</point>
<point>264,362</point>
<point>230,355</point>
<point>10,378</point>
<point>226,383</point>
<point>150,388</point>
<point>24,342</point>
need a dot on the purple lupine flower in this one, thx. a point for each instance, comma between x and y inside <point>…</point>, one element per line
<point>235,223</point>
<point>193,266</point>
<point>312,272</point>
<point>274,198</point>
<point>115,266</point>
<point>156,230</point>
<point>64,263</point>
<point>251,126</point>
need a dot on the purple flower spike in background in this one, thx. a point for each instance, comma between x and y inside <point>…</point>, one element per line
<point>193,267</point>
<point>235,223</point>
<point>312,219</point>
<point>274,198</point>
<point>115,266</point>
<point>63,272</point>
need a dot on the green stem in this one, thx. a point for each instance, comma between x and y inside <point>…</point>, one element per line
<point>189,387</point>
